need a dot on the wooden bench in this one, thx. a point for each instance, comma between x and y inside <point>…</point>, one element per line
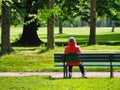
<point>88,59</point>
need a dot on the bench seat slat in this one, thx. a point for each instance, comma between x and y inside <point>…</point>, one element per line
<point>89,64</point>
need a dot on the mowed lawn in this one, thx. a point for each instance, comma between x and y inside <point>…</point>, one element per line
<point>38,59</point>
<point>49,83</point>
<point>34,59</point>
<point>81,34</point>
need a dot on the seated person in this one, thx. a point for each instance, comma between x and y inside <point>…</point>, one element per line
<point>72,47</point>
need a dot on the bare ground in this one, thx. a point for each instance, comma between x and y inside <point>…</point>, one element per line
<point>60,74</point>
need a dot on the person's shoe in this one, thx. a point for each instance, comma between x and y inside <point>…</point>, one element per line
<point>70,75</point>
<point>83,75</point>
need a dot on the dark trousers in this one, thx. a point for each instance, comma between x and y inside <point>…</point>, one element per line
<point>80,67</point>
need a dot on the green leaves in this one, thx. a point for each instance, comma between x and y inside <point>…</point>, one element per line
<point>7,2</point>
<point>44,14</point>
<point>110,8</point>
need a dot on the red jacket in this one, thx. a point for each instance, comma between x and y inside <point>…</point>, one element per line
<point>72,48</point>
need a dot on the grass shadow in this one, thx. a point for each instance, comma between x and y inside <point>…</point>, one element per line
<point>104,39</point>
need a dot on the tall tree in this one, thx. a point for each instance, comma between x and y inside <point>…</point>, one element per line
<point>60,26</point>
<point>109,9</point>
<point>92,37</point>
<point>5,34</point>
<point>50,27</point>
<point>69,9</point>
<point>26,8</point>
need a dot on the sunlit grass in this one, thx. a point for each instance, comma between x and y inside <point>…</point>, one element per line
<point>81,34</point>
<point>48,83</point>
<point>103,35</point>
<point>40,59</point>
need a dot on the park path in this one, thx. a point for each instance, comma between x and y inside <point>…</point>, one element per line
<point>60,74</point>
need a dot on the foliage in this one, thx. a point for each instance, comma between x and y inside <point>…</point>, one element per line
<point>67,10</point>
<point>0,15</point>
<point>16,19</point>
<point>44,14</point>
<point>0,3</point>
<point>20,9</point>
<point>109,8</point>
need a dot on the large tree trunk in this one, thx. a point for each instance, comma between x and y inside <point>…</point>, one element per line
<point>50,27</point>
<point>92,37</point>
<point>5,34</point>
<point>29,36</point>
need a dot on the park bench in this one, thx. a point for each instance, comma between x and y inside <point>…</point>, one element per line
<point>88,59</point>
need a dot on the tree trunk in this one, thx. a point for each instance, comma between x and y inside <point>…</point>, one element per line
<point>102,24</point>
<point>113,26</point>
<point>92,37</point>
<point>60,26</point>
<point>5,34</point>
<point>50,27</point>
<point>29,36</point>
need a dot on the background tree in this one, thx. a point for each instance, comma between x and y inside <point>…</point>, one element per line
<point>59,13</point>
<point>92,37</point>
<point>0,12</point>
<point>50,26</point>
<point>68,10</point>
<point>110,9</point>
<point>5,34</point>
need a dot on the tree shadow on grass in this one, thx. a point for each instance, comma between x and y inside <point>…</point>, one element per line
<point>61,78</point>
<point>104,39</point>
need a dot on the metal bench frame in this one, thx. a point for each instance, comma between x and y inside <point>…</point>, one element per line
<point>100,58</point>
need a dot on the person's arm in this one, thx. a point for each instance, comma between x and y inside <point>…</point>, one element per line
<point>79,50</point>
<point>65,50</point>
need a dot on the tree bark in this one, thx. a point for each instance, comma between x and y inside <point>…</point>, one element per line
<point>5,34</point>
<point>92,37</point>
<point>29,35</point>
<point>60,26</point>
<point>50,27</point>
<point>113,26</point>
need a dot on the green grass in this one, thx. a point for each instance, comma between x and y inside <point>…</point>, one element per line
<point>48,83</point>
<point>27,62</point>
<point>39,59</point>
<point>34,59</point>
<point>103,35</point>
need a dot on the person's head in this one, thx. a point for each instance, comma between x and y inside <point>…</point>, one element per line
<point>71,41</point>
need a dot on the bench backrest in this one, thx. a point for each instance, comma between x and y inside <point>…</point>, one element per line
<point>87,57</point>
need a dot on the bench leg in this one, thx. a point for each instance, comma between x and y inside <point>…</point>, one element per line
<point>111,70</point>
<point>65,75</point>
<point>64,72</point>
<point>111,66</point>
